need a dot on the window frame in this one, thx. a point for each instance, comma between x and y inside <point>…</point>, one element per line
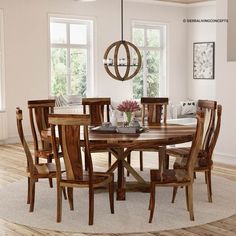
<point>68,20</point>
<point>162,48</point>
<point>2,63</point>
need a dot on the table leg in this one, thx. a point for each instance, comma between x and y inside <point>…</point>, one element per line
<point>120,194</point>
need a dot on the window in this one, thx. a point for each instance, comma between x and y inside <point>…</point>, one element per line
<point>71,56</point>
<point>2,72</point>
<point>151,41</point>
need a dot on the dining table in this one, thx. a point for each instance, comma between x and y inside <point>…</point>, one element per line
<point>121,144</point>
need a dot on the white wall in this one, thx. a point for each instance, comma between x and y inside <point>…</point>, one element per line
<point>225,89</point>
<point>200,32</point>
<point>231,30</point>
<point>26,47</point>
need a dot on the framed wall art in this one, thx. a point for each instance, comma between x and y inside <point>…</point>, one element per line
<point>204,60</point>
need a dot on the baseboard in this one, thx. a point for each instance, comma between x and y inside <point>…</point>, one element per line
<point>225,158</point>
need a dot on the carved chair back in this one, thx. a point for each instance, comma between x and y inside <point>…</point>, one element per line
<point>69,129</point>
<point>38,112</point>
<point>98,108</point>
<point>156,109</point>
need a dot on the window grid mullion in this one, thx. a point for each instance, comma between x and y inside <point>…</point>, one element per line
<point>68,60</point>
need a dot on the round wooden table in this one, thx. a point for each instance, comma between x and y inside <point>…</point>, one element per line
<point>120,145</point>
<point>154,137</point>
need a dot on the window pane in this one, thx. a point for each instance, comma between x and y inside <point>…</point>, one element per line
<point>78,34</point>
<point>78,72</point>
<point>138,37</point>
<point>138,83</point>
<point>153,38</point>
<point>153,73</point>
<point>58,32</point>
<point>58,71</point>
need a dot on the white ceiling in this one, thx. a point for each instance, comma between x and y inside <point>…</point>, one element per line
<point>183,1</point>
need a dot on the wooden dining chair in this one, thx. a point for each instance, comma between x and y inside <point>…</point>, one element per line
<point>154,112</point>
<point>99,110</point>
<point>72,139</point>
<point>34,171</point>
<point>179,177</point>
<point>204,161</point>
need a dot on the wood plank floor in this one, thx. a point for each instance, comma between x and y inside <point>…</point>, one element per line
<point>12,168</point>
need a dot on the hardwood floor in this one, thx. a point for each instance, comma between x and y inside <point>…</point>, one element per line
<point>12,168</point>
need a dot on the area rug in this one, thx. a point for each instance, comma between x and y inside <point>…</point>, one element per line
<point>130,215</point>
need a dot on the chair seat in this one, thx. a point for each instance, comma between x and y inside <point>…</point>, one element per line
<point>44,170</point>
<point>182,154</point>
<point>44,153</point>
<point>99,179</point>
<point>169,176</point>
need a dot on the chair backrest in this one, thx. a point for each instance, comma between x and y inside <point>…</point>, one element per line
<point>38,112</point>
<point>215,133</point>
<point>98,108</point>
<point>70,128</point>
<point>156,109</point>
<point>19,118</point>
<point>196,144</point>
<point>209,109</point>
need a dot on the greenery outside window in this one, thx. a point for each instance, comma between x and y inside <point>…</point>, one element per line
<point>71,44</point>
<point>151,41</point>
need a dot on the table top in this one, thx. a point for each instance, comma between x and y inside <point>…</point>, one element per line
<point>153,135</point>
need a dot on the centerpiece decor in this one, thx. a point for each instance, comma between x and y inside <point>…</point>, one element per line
<point>128,107</point>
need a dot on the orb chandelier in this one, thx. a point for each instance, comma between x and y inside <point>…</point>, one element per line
<point>119,66</point>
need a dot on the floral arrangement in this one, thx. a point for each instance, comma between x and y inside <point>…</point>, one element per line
<point>128,106</point>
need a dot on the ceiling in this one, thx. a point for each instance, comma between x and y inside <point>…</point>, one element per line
<point>184,1</point>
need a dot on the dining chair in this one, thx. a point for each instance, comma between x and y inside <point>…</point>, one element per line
<point>99,110</point>
<point>72,138</point>
<point>38,112</point>
<point>154,112</point>
<point>34,171</point>
<point>179,177</point>
<point>204,161</point>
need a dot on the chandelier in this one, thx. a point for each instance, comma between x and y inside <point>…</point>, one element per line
<point>117,58</point>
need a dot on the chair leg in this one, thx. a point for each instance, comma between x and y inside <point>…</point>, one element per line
<point>91,205</point>
<point>205,177</point>
<point>152,202</point>
<point>187,198</point>
<point>109,159</point>
<point>49,160</point>
<point>64,193</point>
<point>141,160</point>
<point>59,202</point>
<point>129,161</point>
<point>167,160</point>
<point>194,175</point>
<point>209,189</point>
<point>70,198</point>
<point>111,195</point>
<point>190,201</point>
<point>174,194</point>
<point>28,191</point>
<point>32,194</point>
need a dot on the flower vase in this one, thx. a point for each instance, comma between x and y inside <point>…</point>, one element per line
<point>128,117</point>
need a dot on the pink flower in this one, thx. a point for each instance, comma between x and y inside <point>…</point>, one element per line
<point>128,106</point>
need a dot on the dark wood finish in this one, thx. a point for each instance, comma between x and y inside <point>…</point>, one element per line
<point>120,145</point>
<point>212,128</point>
<point>99,110</point>
<point>183,177</point>
<point>155,110</point>
<point>69,127</point>
<point>38,112</point>
<point>34,171</point>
